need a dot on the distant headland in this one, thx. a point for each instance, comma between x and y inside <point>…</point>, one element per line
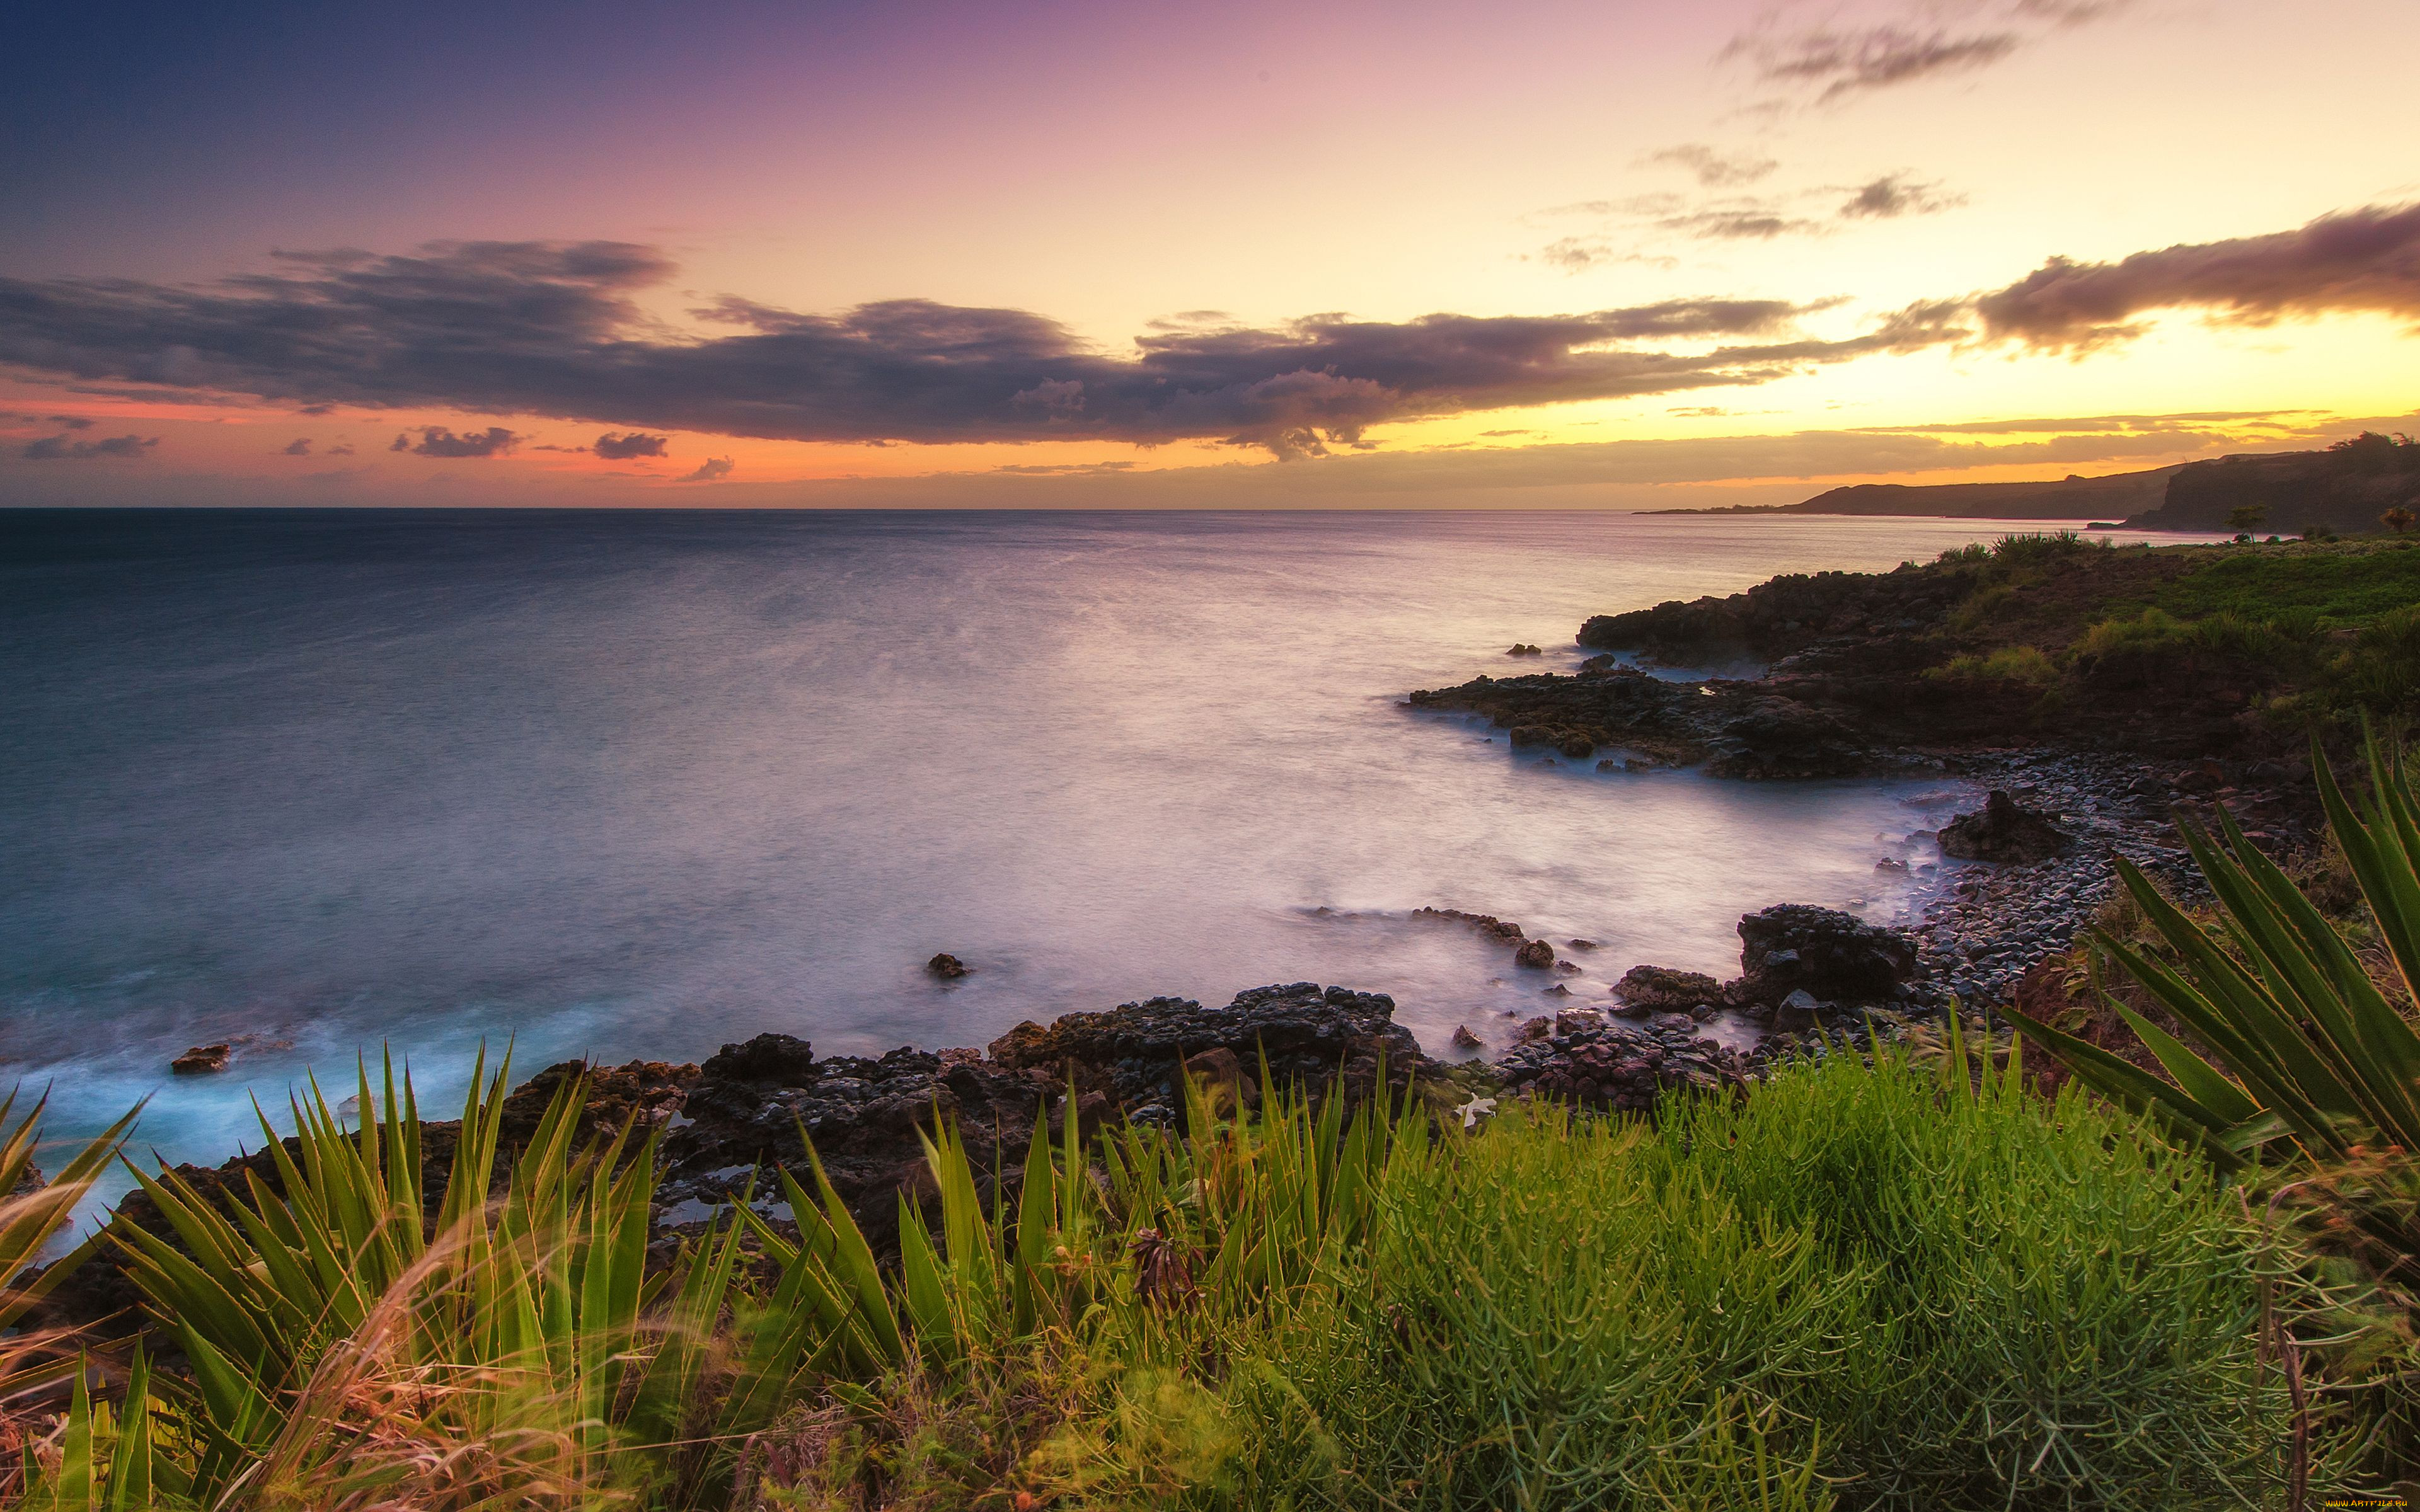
<point>2343,487</point>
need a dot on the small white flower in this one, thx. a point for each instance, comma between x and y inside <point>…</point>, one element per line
<point>1476,1109</point>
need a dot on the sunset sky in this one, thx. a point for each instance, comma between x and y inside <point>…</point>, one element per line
<point>1616,255</point>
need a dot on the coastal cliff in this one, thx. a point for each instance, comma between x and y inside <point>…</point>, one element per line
<point>2344,488</point>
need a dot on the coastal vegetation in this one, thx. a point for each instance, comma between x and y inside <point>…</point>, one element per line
<point>2326,630</point>
<point>2280,1043</point>
<point>1890,1284</point>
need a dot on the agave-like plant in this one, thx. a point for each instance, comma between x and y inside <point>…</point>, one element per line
<point>349,1347</point>
<point>342,1338</point>
<point>2310,1050</point>
<point>89,1457</point>
<point>29,1222</point>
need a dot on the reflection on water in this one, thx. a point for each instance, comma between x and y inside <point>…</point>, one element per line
<point>642,783</point>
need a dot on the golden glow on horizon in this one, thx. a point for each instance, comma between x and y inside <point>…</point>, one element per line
<point>1181,187</point>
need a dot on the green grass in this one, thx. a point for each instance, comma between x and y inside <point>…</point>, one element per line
<point>2343,585</point>
<point>1863,1288</point>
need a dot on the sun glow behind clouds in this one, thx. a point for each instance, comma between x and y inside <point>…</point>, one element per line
<point>854,201</point>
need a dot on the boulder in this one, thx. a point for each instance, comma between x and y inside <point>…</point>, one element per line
<point>1306,1031</point>
<point>768,1057</point>
<point>1797,1012</point>
<point>752,1103</point>
<point>2001,831</point>
<point>946,967</point>
<point>1224,1071</point>
<point>1663,990</point>
<point>1536,954</point>
<point>1835,957</point>
<point>638,1094</point>
<point>1487,924</point>
<point>202,1060</point>
<point>1590,1062</point>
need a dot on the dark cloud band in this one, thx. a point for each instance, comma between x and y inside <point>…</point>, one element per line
<point>551,329</point>
<point>546,329</point>
<point>2366,259</point>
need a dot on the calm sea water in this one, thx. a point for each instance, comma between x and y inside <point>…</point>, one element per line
<point>637,784</point>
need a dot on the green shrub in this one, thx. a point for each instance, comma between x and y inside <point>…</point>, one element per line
<point>2034,549</point>
<point>1866,1285</point>
<point>2155,632</point>
<point>2015,664</point>
<point>1979,610</point>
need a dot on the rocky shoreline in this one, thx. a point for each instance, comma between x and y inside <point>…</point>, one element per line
<point>724,1128</point>
<point>1844,695</point>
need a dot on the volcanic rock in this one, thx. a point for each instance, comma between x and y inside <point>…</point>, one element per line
<point>1488,924</point>
<point>1592,1063</point>
<point>768,1058</point>
<point>1306,1032</point>
<point>1663,990</point>
<point>946,967</point>
<point>202,1060</point>
<point>1537,955</point>
<point>2002,831</point>
<point>1836,957</point>
<point>1797,1012</point>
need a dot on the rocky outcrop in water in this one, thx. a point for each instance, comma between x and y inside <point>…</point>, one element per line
<point>202,1060</point>
<point>1801,967</point>
<point>1744,730</point>
<point>1663,990</point>
<point>1307,1032</point>
<point>1836,957</point>
<point>2001,831</point>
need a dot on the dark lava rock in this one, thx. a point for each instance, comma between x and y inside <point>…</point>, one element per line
<point>1487,924</point>
<point>1663,990</point>
<point>946,967</point>
<point>863,1113</point>
<point>1520,650</point>
<point>2002,831</point>
<point>1537,955</point>
<point>1586,1060</point>
<point>1616,706</point>
<point>202,1060</point>
<point>638,1095</point>
<point>1306,1032</point>
<point>1463,1038</point>
<point>1797,1012</point>
<point>1780,737</point>
<point>768,1058</point>
<point>747,1114</point>
<point>1836,957</point>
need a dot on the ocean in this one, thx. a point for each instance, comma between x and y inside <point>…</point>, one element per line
<point>637,784</point>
